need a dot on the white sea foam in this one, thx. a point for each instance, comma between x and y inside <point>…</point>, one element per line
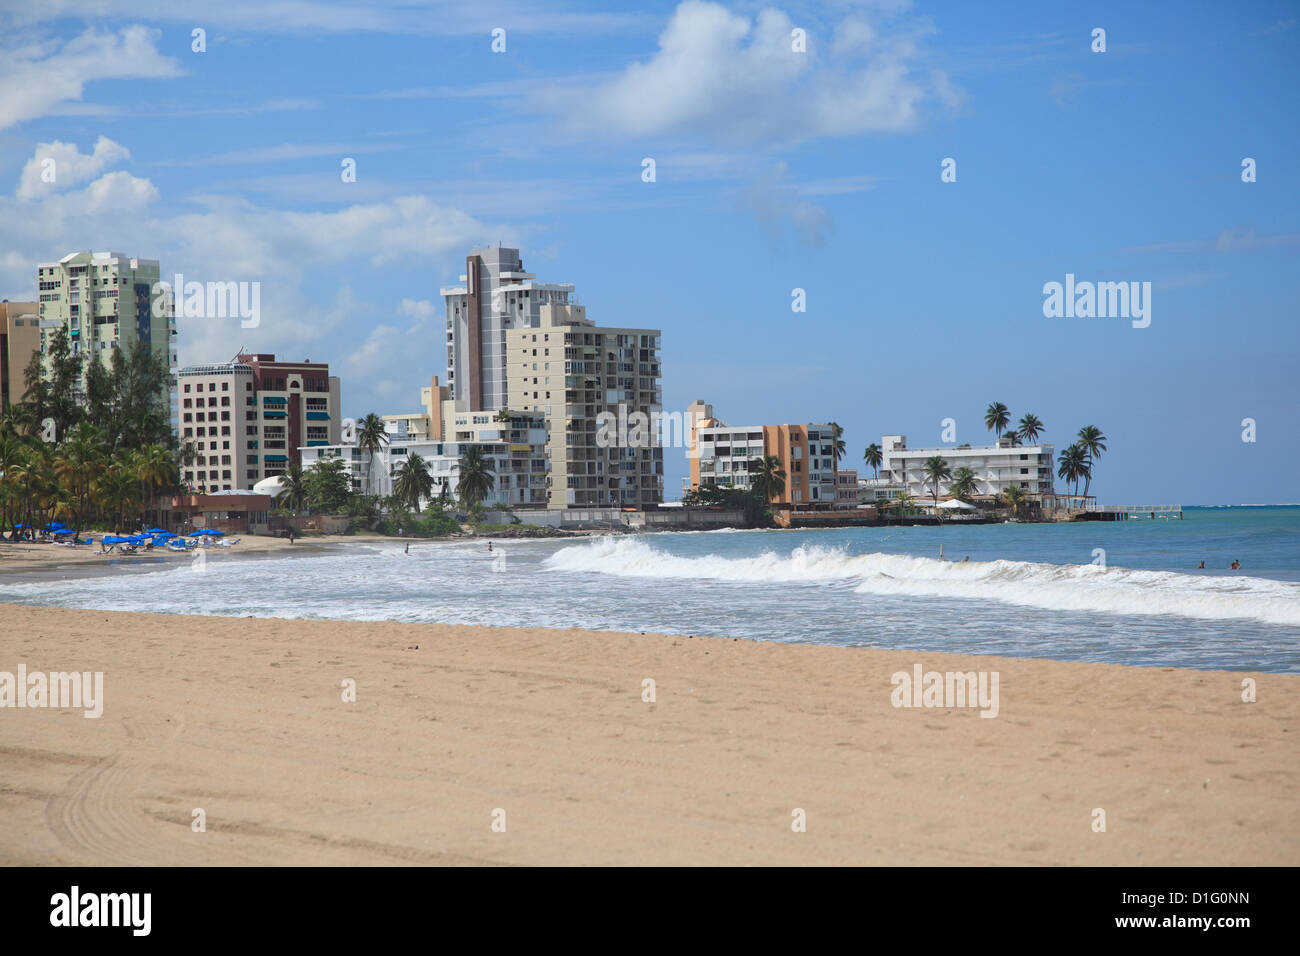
<point>1070,587</point>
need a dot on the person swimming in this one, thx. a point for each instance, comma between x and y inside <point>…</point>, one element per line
<point>1201,566</point>
<point>1236,565</point>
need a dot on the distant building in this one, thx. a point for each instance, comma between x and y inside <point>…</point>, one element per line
<point>730,456</point>
<point>996,467</point>
<point>420,426</point>
<point>497,296</point>
<point>245,420</point>
<point>581,376</point>
<point>846,489</point>
<point>515,447</point>
<point>105,300</point>
<point>20,339</point>
<point>238,511</point>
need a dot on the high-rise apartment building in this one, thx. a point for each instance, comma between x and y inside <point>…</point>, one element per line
<point>497,296</point>
<point>246,420</point>
<point>579,374</point>
<point>106,301</point>
<point>20,338</point>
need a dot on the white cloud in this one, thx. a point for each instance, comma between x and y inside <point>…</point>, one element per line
<point>65,165</point>
<point>36,79</point>
<point>722,76</point>
<point>778,205</point>
<point>304,261</point>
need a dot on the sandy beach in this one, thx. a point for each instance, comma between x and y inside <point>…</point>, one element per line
<point>25,557</point>
<point>244,719</point>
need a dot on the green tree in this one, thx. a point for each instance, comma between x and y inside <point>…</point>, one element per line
<point>371,436</point>
<point>996,418</point>
<point>412,481</point>
<point>476,477</point>
<point>1093,443</point>
<point>1030,428</point>
<point>1014,496</point>
<point>767,477</point>
<point>53,396</point>
<point>127,398</point>
<point>293,488</point>
<point>964,485</point>
<point>936,469</point>
<point>873,457</point>
<point>328,485</point>
<point>1072,465</point>
<point>838,447</point>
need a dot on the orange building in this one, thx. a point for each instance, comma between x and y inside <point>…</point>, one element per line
<point>807,456</point>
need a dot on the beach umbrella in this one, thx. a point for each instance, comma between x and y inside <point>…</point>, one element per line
<point>156,531</point>
<point>65,531</point>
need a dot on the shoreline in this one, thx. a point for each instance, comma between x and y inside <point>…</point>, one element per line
<point>243,718</point>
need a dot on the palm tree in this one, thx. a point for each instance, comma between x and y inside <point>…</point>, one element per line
<point>154,468</point>
<point>293,488</point>
<point>964,484</point>
<point>768,477</point>
<point>873,458</point>
<point>838,448</point>
<point>115,488</point>
<point>412,481</point>
<point>1073,464</point>
<point>371,436</point>
<point>996,418</point>
<point>936,469</point>
<point>477,478</point>
<point>1030,428</point>
<point>1093,443</point>
<point>1014,496</point>
<point>79,459</point>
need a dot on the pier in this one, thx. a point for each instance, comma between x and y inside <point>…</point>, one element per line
<point>1125,512</point>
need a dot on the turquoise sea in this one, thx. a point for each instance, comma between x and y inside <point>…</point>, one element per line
<point>1124,592</point>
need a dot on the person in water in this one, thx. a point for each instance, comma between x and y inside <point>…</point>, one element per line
<point>408,547</point>
<point>1236,565</point>
<point>489,545</point>
<point>1201,566</point>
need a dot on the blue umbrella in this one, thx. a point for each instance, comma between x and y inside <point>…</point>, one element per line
<point>65,531</point>
<point>156,531</point>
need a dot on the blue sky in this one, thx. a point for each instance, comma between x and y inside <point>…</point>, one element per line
<point>775,170</point>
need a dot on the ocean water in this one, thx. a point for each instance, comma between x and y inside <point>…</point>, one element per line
<point>1122,592</point>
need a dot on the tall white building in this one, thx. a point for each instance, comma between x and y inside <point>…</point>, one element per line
<point>997,467</point>
<point>497,295</point>
<point>106,301</point>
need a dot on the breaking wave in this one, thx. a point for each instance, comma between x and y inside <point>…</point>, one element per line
<point>1069,587</point>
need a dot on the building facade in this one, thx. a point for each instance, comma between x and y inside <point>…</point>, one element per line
<point>728,456</point>
<point>243,421</point>
<point>20,339</point>
<point>996,467</point>
<point>497,296</point>
<point>583,377</point>
<point>106,301</point>
<point>516,449</point>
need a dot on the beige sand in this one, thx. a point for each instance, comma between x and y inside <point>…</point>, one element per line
<point>244,719</point>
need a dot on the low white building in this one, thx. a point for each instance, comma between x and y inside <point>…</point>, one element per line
<point>996,467</point>
<point>516,449</point>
